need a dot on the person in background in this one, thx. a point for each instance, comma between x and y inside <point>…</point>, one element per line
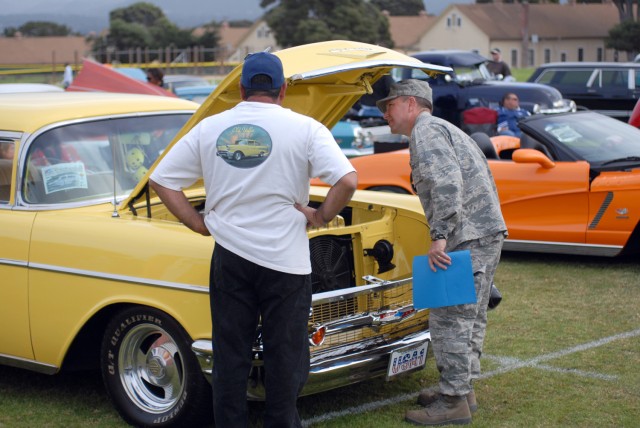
<point>509,114</point>
<point>67,78</point>
<point>7,150</point>
<point>460,200</point>
<point>256,209</point>
<point>155,76</point>
<point>497,66</point>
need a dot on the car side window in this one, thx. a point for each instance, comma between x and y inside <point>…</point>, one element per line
<point>7,148</point>
<point>98,160</point>
<point>565,77</point>
<point>614,78</point>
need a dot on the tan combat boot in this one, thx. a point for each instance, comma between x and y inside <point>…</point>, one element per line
<point>428,396</point>
<point>446,410</point>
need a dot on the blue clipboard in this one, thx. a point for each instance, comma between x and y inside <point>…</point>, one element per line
<point>453,286</point>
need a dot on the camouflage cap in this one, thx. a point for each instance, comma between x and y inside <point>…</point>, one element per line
<point>406,88</point>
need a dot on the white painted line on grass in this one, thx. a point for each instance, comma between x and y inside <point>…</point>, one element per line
<point>508,364</point>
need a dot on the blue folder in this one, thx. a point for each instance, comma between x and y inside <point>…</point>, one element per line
<point>453,286</point>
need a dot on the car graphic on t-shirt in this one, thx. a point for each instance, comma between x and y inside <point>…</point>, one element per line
<point>243,148</point>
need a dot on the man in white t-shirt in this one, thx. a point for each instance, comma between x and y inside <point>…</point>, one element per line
<point>256,160</point>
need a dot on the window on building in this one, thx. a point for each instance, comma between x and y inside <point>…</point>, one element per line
<point>580,54</point>
<point>454,21</point>
<point>563,57</point>
<point>532,58</point>
<point>514,57</point>
<point>600,54</point>
<point>547,55</point>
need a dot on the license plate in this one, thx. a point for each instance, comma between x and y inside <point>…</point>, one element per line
<point>408,359</point>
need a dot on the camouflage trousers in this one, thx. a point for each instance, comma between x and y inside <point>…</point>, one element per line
<point>457,332</point>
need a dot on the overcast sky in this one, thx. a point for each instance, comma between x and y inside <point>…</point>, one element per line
<point>86,16</point>
<point>229,9</point>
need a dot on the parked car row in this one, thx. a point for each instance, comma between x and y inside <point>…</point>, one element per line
<point>570,185</point>
<point>84,237</point>
<point>471,84</point>
<point>96,272</point>
<point>610,88</point>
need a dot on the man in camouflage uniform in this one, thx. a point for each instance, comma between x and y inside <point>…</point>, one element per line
<point>460,200</point>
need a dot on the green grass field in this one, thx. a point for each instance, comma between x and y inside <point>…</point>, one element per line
<point>562,350</point>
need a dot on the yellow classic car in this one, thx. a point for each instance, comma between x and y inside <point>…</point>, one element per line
<point>96,272</point>
<point>243,148</point>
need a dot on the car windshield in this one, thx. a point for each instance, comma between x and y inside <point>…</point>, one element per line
<point>465,74</point>
<point>462,73</point>
<point>593,137</point>
<point>84,161</point>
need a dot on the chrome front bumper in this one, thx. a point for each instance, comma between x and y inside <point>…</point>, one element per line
<point>328,370</point>
<point>341,365</point>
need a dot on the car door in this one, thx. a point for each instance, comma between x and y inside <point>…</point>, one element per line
<point>15,340</point>
<point>543,206</point>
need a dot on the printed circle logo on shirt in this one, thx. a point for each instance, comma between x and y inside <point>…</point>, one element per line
<point>244,145</point>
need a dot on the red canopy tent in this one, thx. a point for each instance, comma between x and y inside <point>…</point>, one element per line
<point>95,77</point>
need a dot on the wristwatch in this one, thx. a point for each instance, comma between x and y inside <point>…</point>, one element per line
<point>437,237</point>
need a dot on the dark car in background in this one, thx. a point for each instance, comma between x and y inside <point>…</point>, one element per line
<point>610,88</point>
<point>472,85</point>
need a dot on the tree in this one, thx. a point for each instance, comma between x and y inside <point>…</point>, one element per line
<point>625,9</point>
<point>143,25</point>
<point>297,22</point>
<point>625,37</point>
<point>400,7</point>
<point>39,29</point>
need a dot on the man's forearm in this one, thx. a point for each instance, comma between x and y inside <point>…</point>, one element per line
<point>179,206</point>
<point>339,195</point>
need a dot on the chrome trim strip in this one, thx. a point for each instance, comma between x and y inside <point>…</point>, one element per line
<point>562,248</point>
<point>365,319</point>
<point>346,293</point>
<point>605,204</point>
<point>11,262</point>
<point>121,278</point>
<point>615,113</point>
<point>25,363</point>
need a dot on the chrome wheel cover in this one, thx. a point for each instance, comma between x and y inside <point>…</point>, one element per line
<point>151,368</point>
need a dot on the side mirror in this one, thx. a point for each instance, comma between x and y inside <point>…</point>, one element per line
<point>532,156</point>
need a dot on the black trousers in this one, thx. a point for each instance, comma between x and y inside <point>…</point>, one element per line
<point>241,292</point>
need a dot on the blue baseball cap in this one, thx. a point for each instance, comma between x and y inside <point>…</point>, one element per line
<point>262,63</point>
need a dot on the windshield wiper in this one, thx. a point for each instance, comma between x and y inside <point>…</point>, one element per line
<point>628,158</point>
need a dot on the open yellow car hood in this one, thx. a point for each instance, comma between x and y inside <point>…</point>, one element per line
<point>324,80</point>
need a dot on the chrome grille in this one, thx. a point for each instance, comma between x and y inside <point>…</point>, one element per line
<point>372,302</point>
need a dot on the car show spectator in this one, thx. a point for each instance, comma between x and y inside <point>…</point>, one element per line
<point>509,114</point>
<point>456,188</point>
<point>260,267</point>
<point>497,66</point>
<point>155,76</point>
<point>67,77</point>
<point>7,149</point>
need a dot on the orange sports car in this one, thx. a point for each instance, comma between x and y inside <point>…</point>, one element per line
<point>570,185</point>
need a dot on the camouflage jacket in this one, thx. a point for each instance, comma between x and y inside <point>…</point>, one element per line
<point>453,180</point>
